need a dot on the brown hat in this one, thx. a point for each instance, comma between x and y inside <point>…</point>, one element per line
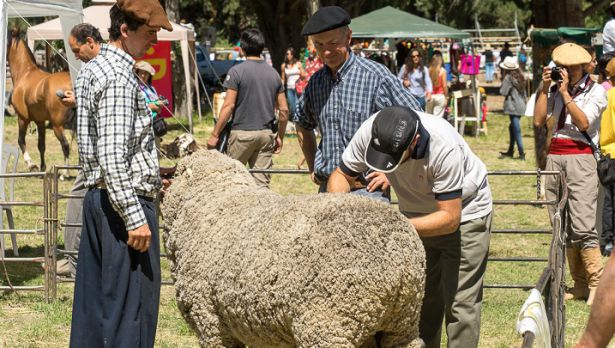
<point>149,12</point>
<point>569,54</point>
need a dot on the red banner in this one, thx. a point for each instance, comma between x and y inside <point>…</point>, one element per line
<point>159,56</point>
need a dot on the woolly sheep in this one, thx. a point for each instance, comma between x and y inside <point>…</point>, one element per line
<point>252,267</point>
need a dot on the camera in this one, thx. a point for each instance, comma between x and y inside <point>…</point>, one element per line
<point>163,100</point>
<point>556,74</point>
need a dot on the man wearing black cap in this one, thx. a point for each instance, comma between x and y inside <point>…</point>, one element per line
<point>340,97</point>
<point>117,287</point>
<point>443,190</point>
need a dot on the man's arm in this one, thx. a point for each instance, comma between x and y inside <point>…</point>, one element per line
<point>339,182</point>
<point>441,222</point>
<point>540,108</point>
<point>307,142</point>
<point>283,121</point>
<point>225,114</point>
<point>601,324</point>
<point>116,121</point>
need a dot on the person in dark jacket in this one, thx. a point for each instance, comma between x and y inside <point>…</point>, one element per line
<point>513,90</point>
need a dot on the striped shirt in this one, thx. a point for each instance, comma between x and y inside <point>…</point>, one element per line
<point>338,106</point>
<point>114,133</point>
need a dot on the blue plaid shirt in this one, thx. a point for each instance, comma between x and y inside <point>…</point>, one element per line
<point>338,106</point>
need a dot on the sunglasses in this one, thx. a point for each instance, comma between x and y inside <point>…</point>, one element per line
<point>415,56</point>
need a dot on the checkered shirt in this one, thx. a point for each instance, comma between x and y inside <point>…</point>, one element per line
<point>339,106</point>
<point>114,133</point>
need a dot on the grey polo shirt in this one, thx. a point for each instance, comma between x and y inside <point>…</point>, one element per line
<point>441,167</point>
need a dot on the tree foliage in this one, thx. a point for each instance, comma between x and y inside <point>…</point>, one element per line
<point>281,21</point>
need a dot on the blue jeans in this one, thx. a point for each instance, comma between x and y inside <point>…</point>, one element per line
<point>291,98</point>
<point>489,71</point>
<point>422,102</point>
<point>514,132</point>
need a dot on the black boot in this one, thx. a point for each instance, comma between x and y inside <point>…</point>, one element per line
<point>508,154</point>
<point>522,156</point>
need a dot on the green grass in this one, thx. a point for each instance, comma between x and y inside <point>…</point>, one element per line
<point>27,321</point>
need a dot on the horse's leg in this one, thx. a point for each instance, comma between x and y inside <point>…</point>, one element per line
<point>40,127</point>
<point>59,133</point>
<point>21,140</point>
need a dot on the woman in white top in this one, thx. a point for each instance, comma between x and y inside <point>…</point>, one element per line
<point>415,77</point>
<point>292,70</point>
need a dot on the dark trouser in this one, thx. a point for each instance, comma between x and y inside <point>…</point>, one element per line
<point>117,288</point>
<point>608,215</point>
<point>74,210</point>
<point>456,265</point>
<point>514,133</point>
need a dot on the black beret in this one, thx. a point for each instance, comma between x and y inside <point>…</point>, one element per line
<point>325,19</point>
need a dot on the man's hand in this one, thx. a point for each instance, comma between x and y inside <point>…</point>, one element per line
<point>69,99</point>
<point>165,185</point>
<point>546,79</point>
<point>377,180</point>
<point>315,178</point>
<point>277,147</point>
<point>212,142</point>
<point>563,85</point>
<point>140,238</point>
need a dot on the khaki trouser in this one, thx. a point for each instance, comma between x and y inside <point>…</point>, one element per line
<point>456,265</point>
<point>582,183</point>
<point>254,148</point>
<point>436,105</point>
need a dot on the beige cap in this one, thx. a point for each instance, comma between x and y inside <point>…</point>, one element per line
<point>149,12</point>
<point>145,66</point>
<point>569,54</point>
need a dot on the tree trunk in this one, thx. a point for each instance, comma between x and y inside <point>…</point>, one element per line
<point>557,13</point>
<point>172,8</point>
<point>280,23</point>
<point>312,6</point>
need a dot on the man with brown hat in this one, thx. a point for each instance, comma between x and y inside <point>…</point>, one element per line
<point>577,103</point>
<point>117,287</point>
<point>340,97</point>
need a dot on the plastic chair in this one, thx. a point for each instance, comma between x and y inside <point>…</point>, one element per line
<point>10,158</point>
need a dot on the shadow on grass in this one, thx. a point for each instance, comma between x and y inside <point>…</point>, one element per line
<point>23,273</point>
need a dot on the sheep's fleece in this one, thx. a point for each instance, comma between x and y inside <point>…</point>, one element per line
<point>254,268</point>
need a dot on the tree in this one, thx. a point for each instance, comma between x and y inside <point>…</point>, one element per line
<point>557,13</point>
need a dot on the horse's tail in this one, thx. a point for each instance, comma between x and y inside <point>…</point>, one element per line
<point>70,119</point>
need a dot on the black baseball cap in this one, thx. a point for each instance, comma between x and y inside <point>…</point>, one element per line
<point>325,19</point>
<point>393,130</point>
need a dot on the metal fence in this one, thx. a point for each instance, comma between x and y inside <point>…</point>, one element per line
<point>551,282</point>
<point>44,259</point>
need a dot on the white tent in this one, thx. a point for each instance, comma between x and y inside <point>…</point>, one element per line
<point>70,13</point>
<point>98,16</point>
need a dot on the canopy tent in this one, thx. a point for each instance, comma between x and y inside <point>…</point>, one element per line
<point>98,16</point>
<point>389,22</point>
<point>70,13</point>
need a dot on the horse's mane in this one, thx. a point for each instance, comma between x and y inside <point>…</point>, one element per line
<point>15,35</point>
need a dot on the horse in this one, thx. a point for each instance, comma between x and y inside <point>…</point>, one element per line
<point>34,98</point>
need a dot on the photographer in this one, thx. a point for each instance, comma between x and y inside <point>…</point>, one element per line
<point>577,103</point>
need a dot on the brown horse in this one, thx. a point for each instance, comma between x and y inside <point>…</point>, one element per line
<point>34,98</point>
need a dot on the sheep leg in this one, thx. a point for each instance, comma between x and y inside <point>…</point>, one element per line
<point>203,318</point>
<point>321,331</point>
<point>399,341</point>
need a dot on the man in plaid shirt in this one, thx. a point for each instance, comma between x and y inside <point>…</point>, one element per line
<point>340,97</point>
<point>117,287</point>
